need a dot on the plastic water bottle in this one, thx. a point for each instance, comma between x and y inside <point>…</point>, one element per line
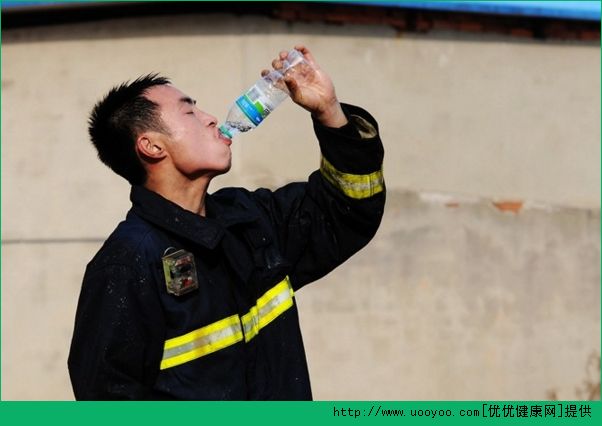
<point>261,99</point>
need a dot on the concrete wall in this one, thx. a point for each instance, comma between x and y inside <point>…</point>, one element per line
<point>462,294</point>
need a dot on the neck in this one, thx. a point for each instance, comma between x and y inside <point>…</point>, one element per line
<point>190,195</point>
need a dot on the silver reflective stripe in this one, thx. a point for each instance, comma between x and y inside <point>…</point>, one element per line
<point>202,341</point>
<point>269,306</point>
<point>250,323</point>
<point>280,298</point>
<point>214,337</point>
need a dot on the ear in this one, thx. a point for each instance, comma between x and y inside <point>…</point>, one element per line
<point>150,146</point>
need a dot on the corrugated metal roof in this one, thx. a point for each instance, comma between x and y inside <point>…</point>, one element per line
<point>584,10</point>
<point>33,5</point>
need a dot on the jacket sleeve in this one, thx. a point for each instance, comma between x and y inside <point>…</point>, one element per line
<point>117,340</point>
<point>324,221</point>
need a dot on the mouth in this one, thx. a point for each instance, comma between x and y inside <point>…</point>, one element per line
<point>224,139</point>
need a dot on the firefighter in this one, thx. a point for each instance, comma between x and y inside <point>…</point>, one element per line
<point>192,296</point>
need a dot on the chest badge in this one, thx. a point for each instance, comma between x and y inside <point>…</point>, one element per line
<point>180,272</point>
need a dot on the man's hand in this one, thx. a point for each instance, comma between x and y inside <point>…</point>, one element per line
<point>312,89</point>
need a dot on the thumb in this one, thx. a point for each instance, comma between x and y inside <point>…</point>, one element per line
<point>292,86</point>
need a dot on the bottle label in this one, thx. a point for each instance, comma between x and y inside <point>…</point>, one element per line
<point>250,104</point>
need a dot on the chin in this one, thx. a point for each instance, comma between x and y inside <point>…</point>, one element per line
<point>224,170</point>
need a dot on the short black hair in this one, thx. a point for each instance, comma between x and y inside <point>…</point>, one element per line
<point>116,121</point>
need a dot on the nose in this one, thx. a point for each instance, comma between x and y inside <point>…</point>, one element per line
<point>208,119</point>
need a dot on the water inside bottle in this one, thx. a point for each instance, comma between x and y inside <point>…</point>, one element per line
<point>241,127</point>
<point>227,128</point>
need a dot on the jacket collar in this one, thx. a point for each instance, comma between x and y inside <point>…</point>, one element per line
<point>229,208</point>
<point>222,212</point>
<point>167,215</point>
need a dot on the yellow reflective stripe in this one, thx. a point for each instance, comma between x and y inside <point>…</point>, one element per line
<point>228,331</point>
<point>202,341</point>
<point>353,186</point>
<point>250,323</point>
<point>274,302</point>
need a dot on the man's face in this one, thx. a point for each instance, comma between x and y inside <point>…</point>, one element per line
<point>194,143</point>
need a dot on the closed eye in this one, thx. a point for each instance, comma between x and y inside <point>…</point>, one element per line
<point>188,102</point>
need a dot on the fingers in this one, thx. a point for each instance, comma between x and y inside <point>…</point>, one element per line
<point>302,48</point>
<point>277,64</point>
<point>306,53</point>
<point>292,86</point>
<point>264,72</point>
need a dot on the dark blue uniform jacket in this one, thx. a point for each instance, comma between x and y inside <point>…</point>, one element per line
<point>237,336</point>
